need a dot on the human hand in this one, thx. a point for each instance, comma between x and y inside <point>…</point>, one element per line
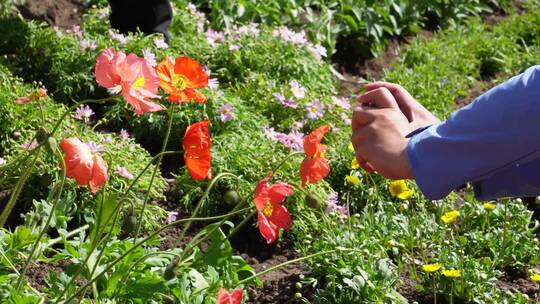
<point>417,115</point>
<point>379,129</point>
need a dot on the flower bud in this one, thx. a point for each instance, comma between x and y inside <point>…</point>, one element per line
<point>231,197</point>
<point>313,201</point>
<point>170,271</point>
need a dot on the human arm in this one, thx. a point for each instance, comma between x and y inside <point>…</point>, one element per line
<point>493,142</point>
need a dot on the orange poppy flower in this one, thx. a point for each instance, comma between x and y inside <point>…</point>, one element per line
<point>83,166</point>
<point>315,166</point>
<point>272,215</point>
<point>181,79</point>
<point>226,297</point>
<point>197,151</point>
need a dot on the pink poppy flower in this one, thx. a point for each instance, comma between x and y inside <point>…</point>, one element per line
<point>131,75</point>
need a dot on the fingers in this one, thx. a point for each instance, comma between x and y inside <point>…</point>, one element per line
<point>359,139</point>
<point>361,117</point>
<point>405,101</point>
<point>379,98</point>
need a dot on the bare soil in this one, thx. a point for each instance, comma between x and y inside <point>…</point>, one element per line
<point>61,13</point>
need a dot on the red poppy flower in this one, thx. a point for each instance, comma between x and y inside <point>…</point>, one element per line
<point>181,79</point>
<point>83,166</point>
<point>272,215</point>
<point>225,297</point>
<point>197,151</point>
<point>315,166</point>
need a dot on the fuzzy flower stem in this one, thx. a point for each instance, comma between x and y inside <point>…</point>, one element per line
<point>140,243</point>
<point>18,188</point>
<point>241,224</point>
<point>286,159</point>
<point>73,107</point>
<point>201,201</point>
<point>307,257</point>
<point>156,168</point>
<point>47,222</point>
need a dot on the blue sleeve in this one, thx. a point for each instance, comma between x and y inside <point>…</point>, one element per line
<point>494,142</point>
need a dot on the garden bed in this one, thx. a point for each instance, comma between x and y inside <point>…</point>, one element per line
<point>367,250</point>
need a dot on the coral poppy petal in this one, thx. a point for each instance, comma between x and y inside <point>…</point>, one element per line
<point>313,170</point>
<point>261,193</point>
<point>192,70</point>
<point>105,69</point>
<point>78,159</point>
<point>279,191</point>
<point>226,297</point>
<point>268,230</point>
<point>197,155</point>
<point>281,217</point>
<point>100,174</point>
<point>312,141</point>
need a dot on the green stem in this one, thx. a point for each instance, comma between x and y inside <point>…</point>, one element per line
<point>73,107</point>
<point>18,188</point>
<point>156,168</point>
<point>46,226</point>
<point>285,159</point>
<point>141,242</point>
<point>68,235</point>
<point>199,204</point>
<point>242,223</point>
<point>292,262</point>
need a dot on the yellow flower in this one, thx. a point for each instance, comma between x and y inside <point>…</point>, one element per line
<point>450,216</point>
<point>452,273</point>
<point>399,189</point>
<point>352,180</point>
<point>488,206</point>
<point>535,277</point>
<point>431,267</point>
<point>354,164</point>
<point>350,147</point>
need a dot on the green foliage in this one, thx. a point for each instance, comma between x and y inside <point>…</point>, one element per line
<point>362,24</point>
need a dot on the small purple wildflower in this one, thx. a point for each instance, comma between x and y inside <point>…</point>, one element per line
<point>83,113</point>
<point>341,102</point>
<point>299,38</point>
<point>150,57</point>
<point>334,207</point>
<point>317,50</point>
<point>293,141</point>
<point>226,112</point>
<point>234,48</point>
<point>94,147</point>
<point>288,103</point>
<point>88,45</point>
<point>2,161</point>
<point>345,118</point>
<point>76,29</point>
<point>103,12</point>
<point>171,217</point>
<point>297,125</point>
<point>214,37</point>
<point>108,139</point>
<point>123,172</point>
<point>213,83</point>
<point>124,134</point>
<point>315,109</point>
<point>297,90</point>
<point>160,43</point>
<point>29,146</point>
<point>118,37</point>
<point>251,29</point>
